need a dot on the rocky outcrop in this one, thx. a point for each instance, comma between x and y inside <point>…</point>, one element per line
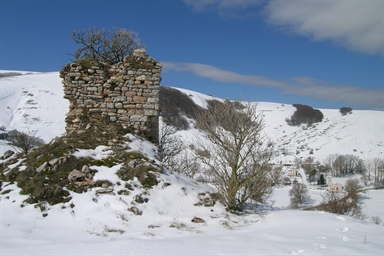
<point>7,154</point>
<point>125,93</point>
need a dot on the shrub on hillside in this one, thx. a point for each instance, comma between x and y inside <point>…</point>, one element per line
<point>175,106</point>
<point>24,141</point>
<point>10,74</point>
<point>299,194</point>
<point>305,114</point>
<point>346,202</point>
<point>345,110</point>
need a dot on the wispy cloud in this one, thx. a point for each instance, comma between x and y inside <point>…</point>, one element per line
<point>225,8</point>
<point>355,25</point>
<point>300,86</point>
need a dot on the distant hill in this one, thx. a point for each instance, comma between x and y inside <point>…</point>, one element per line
<point>359,133</point>
<point>35,101</point>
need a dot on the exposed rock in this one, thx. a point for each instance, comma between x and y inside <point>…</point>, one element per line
<point>166,184</point>
<point>7,154</point>
<point>76,175</point>
<point>133,163</point>
<point>7,169</point>
<point>135,210</point>
<point>108,191</point>
<point>123,192</point>
<point>10,161</point>
<point>41,167</point>
<point>197,220</point>
<point>105,185</point>
<point>139,199</point>
<point>87,182</point>
<point>85,170</point>
<point>205,200</point>
<point>56,139</point>
<point>53,161</point>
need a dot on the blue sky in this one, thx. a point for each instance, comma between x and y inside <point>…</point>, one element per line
<point>327,54</point>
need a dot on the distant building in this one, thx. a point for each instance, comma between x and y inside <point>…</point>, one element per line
<point>333,186</point>
<point>293,172</point>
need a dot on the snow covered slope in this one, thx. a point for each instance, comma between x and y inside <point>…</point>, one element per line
<point>360,133</point>
<point>34,101</point>
<point>101,224</point>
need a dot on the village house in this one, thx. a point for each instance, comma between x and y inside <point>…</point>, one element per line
<point>293,172</point>
<point>334,186</point>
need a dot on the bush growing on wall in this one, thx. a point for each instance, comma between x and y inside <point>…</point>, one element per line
<point>105,46</point>
<point>305,114</point>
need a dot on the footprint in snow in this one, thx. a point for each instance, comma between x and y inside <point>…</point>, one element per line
<point>320,246</point>
<point>345,239</point>
<point>296,252</point>
<point>345,229</point>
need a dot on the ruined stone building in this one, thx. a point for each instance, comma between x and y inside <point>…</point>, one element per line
<point>126,93</point>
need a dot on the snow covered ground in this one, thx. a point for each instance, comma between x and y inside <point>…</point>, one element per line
<point>96,224</point>
<point>101,225</point>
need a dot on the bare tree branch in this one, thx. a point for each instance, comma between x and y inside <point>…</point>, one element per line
<point>105,46</point>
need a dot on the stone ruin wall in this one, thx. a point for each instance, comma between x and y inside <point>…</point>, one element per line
<point>126,93</point>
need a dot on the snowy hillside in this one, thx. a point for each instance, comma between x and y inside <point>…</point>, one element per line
<point>35,101</point>
<point>164,220</point>
<point>360,133</point>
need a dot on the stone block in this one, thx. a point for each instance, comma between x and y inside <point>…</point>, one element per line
<point>139,99</point>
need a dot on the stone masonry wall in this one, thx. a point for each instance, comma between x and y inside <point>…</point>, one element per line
<point>125,93</point>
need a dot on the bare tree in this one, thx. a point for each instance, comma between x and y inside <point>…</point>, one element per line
<point>299,193</point>
<point>24,141</point>
<point>277,174</point>
<point>347,164</point>
<point>186,164</point>
<point>238,151</point>
<point>353,187</point>
<point>339,203</point>
<point>330,160</point>
<point>105,46</point>
<point>375,166</point>
<point>170,145</point>
<point>346,202</point>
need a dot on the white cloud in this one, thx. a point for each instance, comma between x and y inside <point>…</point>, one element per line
<point>300,86</point>
<point>225,8</point>
<point>356,25</point>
